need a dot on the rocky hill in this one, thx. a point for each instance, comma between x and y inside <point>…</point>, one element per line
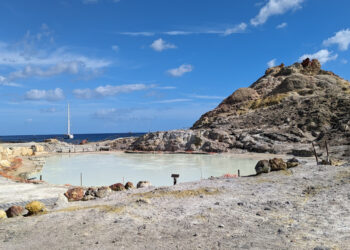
<point>283,111</point>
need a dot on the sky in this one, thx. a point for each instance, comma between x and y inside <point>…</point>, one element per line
<point>139,66</point>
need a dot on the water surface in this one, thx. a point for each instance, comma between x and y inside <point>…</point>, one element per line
<point>107,169</point>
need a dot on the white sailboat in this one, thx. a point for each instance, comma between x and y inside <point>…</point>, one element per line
<point>68,135</point>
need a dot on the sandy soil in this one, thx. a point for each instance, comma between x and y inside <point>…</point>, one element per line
<point>305,208</point>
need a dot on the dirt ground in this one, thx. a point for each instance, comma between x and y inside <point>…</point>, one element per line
<point>307,207</point>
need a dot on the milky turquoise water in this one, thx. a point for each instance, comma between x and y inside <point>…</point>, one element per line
<point>107,169</point>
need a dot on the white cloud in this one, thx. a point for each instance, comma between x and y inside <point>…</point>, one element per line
<point>109,90</point>
<point>48,95</point>
<point>237,29</point>
<point>341,38</point>
<point>282,25</point>
<point>344,61</point>
<point>271,63</point>
<point>115,48</point>
<point>275,7</point>
<point>49,110</point>
<point>323,56</point>
<point>160,45</point>
<point>180,71</point>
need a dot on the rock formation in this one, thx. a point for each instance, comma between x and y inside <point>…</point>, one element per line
<point>283,111</point>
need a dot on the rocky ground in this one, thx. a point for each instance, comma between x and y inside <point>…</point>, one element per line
<point>307,207</point>
<point>284,111</point>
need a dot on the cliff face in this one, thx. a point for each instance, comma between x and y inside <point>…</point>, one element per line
<point>287,108</point>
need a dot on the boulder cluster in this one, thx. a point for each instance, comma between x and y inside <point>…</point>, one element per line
<point>91,193</point>
<point>275,164</point>
<point>32,208</point>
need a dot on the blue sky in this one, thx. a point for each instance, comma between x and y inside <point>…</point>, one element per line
<point>136,65</point>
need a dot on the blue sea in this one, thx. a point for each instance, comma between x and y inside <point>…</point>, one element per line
<point>77,137</point>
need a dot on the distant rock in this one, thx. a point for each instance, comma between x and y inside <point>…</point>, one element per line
<point>103,192</point>
<point>129,185</point>
<point>143,184</point>
<point>117,187</point>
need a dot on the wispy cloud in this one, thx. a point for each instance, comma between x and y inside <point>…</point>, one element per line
<point>48,95</point>
<point>323,56</point>
<point>173,101</point>
<point>5,82</point>
<point>208,97</point>
<point>275,7</point>
<point>109,90</point>
<point>160,45</point>
<point>115,48</point>
<point>142,33</point>
<point>180,71</point>
<point>239,28</point>
<point>281,26</point>
<point>49,110</point>
<point>341,38</point>
<point>271,63</point>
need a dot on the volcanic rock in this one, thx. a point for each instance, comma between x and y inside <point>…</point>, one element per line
<point>129,185</point>
<point>35,207</point>
<point>143,184</point>
<point>263,166</point>
<point>75,194</point>
<point>14,211</point>
<point>117,187</point>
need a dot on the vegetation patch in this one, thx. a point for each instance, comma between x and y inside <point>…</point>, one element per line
<point>267,101</point>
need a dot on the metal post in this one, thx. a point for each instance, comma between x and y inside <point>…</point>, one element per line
<point>81,179</point>
<point>41,177</point>
<point>328,161</point>
<point>315,152</point>
<point>239,173</point>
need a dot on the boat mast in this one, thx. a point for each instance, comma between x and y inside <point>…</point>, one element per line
<point>68,128</point>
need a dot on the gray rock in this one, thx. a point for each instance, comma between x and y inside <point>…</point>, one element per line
<point>263,166</point>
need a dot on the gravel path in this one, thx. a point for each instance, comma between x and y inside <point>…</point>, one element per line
<point>306,208</point>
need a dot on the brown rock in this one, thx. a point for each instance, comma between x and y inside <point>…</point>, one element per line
<point>129,185</point>
<point>277,164</point>
<point>14,211</point>
<point>75,194</point>
<point>263,166</point>
<point>103,192</point>
<point>117,187</point>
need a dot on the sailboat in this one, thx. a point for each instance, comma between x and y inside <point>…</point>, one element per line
<point>68,135</point>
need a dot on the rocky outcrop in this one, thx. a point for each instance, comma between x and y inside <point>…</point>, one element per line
<point>282,112</point>
<point>129,185</point>
<point>117,187</point>
<point>143,184</point>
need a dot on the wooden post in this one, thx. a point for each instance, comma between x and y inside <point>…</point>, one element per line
<point>81,179</point>
<point>328,161</point>
<point>41,177</point>
<point>239,173</point>
<point>315,152</point>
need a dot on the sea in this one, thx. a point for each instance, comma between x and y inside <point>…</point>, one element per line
<point>77,137</point>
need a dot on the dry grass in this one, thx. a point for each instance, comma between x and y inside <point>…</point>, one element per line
<point>104,208</point>
<point>178,193</point>
<point>267,101</point>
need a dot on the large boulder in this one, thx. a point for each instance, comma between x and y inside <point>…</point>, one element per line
<point>277,164</point>
<point>35,207</point>
<point>117,187</point>
<point>263,166</point>
<point>241,95</point>
<point>14,211</point>
<point>75,194</point>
